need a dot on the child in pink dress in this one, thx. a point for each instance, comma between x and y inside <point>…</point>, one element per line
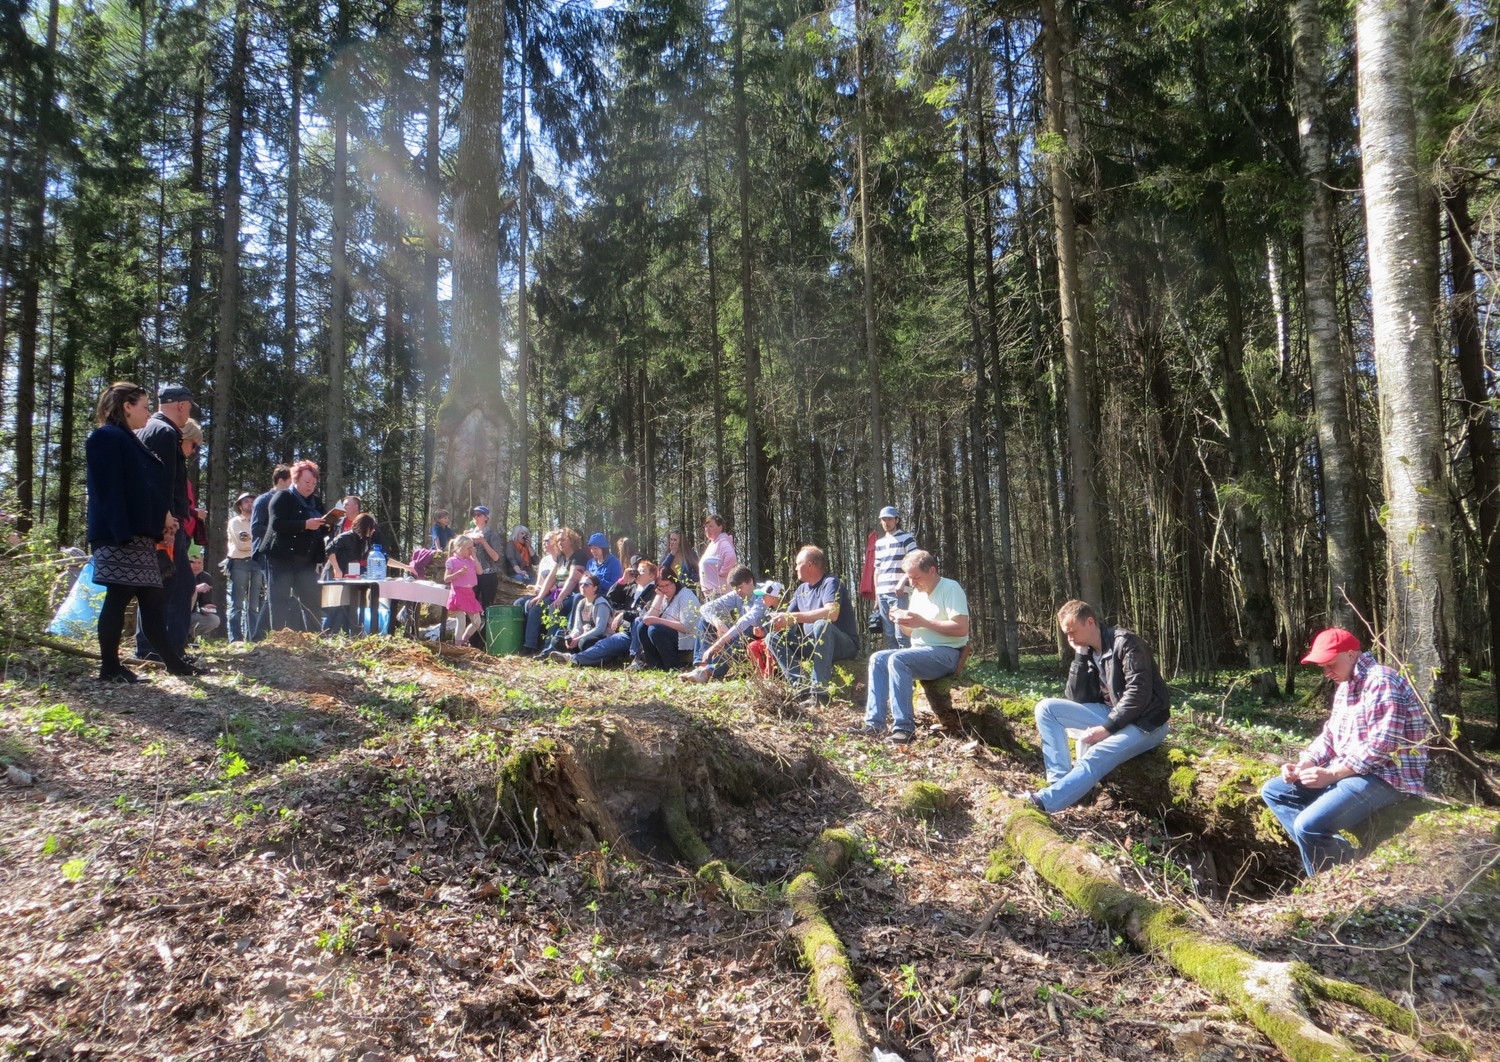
<point>462,576</point>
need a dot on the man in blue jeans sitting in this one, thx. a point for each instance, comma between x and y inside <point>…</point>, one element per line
<point>1116,703</point>
<point>1372,753</point>
<point>936,620</point>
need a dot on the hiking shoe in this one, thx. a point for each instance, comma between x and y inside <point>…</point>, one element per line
<point>815,699</point>
<point>636,665</point>
<point>697,674</point>
<point>865,730</point>
<point>562,658</point>
<point>122,675</point>
<point>901,737</point>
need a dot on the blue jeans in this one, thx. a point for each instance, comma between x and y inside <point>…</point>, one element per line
<point>822,647</point>
<point>1069,782</point>
<point>655,646</point>
<point>609,648</point>
<point>1314,817</point>
<point>247,582</point>
<point>893,672</point>
<point>536,616</point>
<point>884,603</point>
<point>707,635</point>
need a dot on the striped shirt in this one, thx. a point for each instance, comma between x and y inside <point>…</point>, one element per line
<point>1377,727</point>
<point>890,550</point>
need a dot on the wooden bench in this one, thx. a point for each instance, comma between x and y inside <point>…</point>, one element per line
<point>939,693</point>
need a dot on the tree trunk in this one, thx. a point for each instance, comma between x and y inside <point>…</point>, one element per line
<point>473,420</point>
<point>1089,569</point>
<point>434,355</point>
<point>523,331</point>
<point>289,312</point>
<point>757,512</point>
<point>31,290</point>
<point>877,497</point>
<point>1406,356</point>
<point>1473,374</point>
<point>229,295</point>
<point>1345,594</point>
<point>333,472</point>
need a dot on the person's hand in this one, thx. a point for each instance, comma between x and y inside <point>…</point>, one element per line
<point>1317,777</point>
<point>781,621</point>
<point>906,618</point>
<point>713,650</point>
<point>1289,773</point>
<point>204,588</point>
<point>171,526</point>
<point>650,621</point>
<point>314,523</point>
<point>202,512</point>
<point>1093,735</point>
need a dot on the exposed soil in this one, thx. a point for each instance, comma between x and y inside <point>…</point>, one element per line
<point>365,851</point>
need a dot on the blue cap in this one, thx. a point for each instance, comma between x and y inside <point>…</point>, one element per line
<point>598,539</point>
<point>480,510</point>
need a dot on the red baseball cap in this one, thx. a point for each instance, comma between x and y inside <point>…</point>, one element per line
<point>1329,644</point>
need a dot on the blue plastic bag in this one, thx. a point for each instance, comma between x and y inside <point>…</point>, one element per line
<point>78,616</point>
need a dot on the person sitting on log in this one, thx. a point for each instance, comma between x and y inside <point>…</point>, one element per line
<point>1370,754</point>
<point>816,632</point>
<point>936,622</point>
<point>724,623</point>
<point>1115,702</point>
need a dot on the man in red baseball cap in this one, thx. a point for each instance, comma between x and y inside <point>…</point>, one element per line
<point>1370,754</point>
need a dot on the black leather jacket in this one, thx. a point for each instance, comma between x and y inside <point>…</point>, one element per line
<point>1138,693</point>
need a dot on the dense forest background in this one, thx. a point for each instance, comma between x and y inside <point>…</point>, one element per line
<point>1097,293</point>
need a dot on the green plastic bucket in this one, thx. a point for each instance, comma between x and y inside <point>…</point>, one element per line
<point>504,629</point>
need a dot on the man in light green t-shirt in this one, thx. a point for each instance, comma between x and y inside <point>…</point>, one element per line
<point>937,621</point>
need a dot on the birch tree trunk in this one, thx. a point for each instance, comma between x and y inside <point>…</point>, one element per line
<point>473,419</point>
<point>1343,535</point>
<point>1406,354</point>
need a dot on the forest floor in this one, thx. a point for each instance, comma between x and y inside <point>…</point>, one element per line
<point>313,854</point>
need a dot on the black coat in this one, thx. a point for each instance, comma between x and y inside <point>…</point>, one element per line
<point>1137,692</point>
<point>163,439</point>
<point>289,537</point>
<point>127,487</point>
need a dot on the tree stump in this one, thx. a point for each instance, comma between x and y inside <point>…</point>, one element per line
<point>939,694</point>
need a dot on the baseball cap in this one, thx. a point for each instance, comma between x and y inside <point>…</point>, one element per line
<point>480,510</point>
<point>889,512</point>
<point>1329,644</point>
<point>175,393</point>
<point>770,588</point>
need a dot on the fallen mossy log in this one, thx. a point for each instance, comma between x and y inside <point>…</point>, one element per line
<point>41,641</point>
<point>822,951</point>
<point>1274,996</point>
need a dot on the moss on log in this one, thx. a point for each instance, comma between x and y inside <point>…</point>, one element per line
<point>1274,996</point>
<point>832,981</point>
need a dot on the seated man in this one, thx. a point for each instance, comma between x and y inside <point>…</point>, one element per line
<point>204,617</point>
<point>723,624</point>
<point>1115,695</point>
<point>1370,754</point>
<point>936,620</point>
<point>818,630</point>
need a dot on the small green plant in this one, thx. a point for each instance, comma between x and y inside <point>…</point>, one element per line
<point>73,869</point>
<point>51,846</point>
<point>336,940</point>
<point>60,719</point>
<point>231,763</point>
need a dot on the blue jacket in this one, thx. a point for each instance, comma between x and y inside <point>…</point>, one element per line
<point>128,488</point>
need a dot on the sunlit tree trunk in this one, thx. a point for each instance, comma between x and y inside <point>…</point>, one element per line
<point>1330,369</point>
<point>338,304</point>
<point>1406,354</point>
<point>473,421</point>
<point>225,341</point>
<point>867,263</point>
<point>523,337</point>
<point>289,301</point>
<point>757,513</point>
<point>1080,432</point>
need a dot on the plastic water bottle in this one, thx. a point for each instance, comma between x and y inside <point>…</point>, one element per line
<point>375,566</point>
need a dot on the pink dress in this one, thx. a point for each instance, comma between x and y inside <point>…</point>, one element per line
<point>461,590</point>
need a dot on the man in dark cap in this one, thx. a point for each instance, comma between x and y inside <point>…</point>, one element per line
<point>162,435</point>
<point>1372,753</point>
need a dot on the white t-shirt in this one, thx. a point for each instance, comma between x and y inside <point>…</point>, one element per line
<point>947,601</point>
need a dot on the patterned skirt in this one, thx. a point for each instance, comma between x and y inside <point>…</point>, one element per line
<point>131,564</point>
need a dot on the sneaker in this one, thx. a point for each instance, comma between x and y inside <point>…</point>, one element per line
<point>866,730</point>
<point>901,737</point>
<point>122,675</point>
<point>636,665</point>
<point>815,699</point>
<point>562,658</point>
<point>697,674</point>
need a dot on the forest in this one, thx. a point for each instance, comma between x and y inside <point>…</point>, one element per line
<point>1182,306</point>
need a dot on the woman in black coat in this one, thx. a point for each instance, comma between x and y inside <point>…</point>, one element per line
<point>127,517</point>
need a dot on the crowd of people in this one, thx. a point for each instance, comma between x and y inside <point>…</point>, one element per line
<point>700,614</point>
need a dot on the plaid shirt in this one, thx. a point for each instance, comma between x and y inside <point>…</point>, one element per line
<point>1377,727</point>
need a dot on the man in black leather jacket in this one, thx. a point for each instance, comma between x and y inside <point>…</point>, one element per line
<point>1115,704</point>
